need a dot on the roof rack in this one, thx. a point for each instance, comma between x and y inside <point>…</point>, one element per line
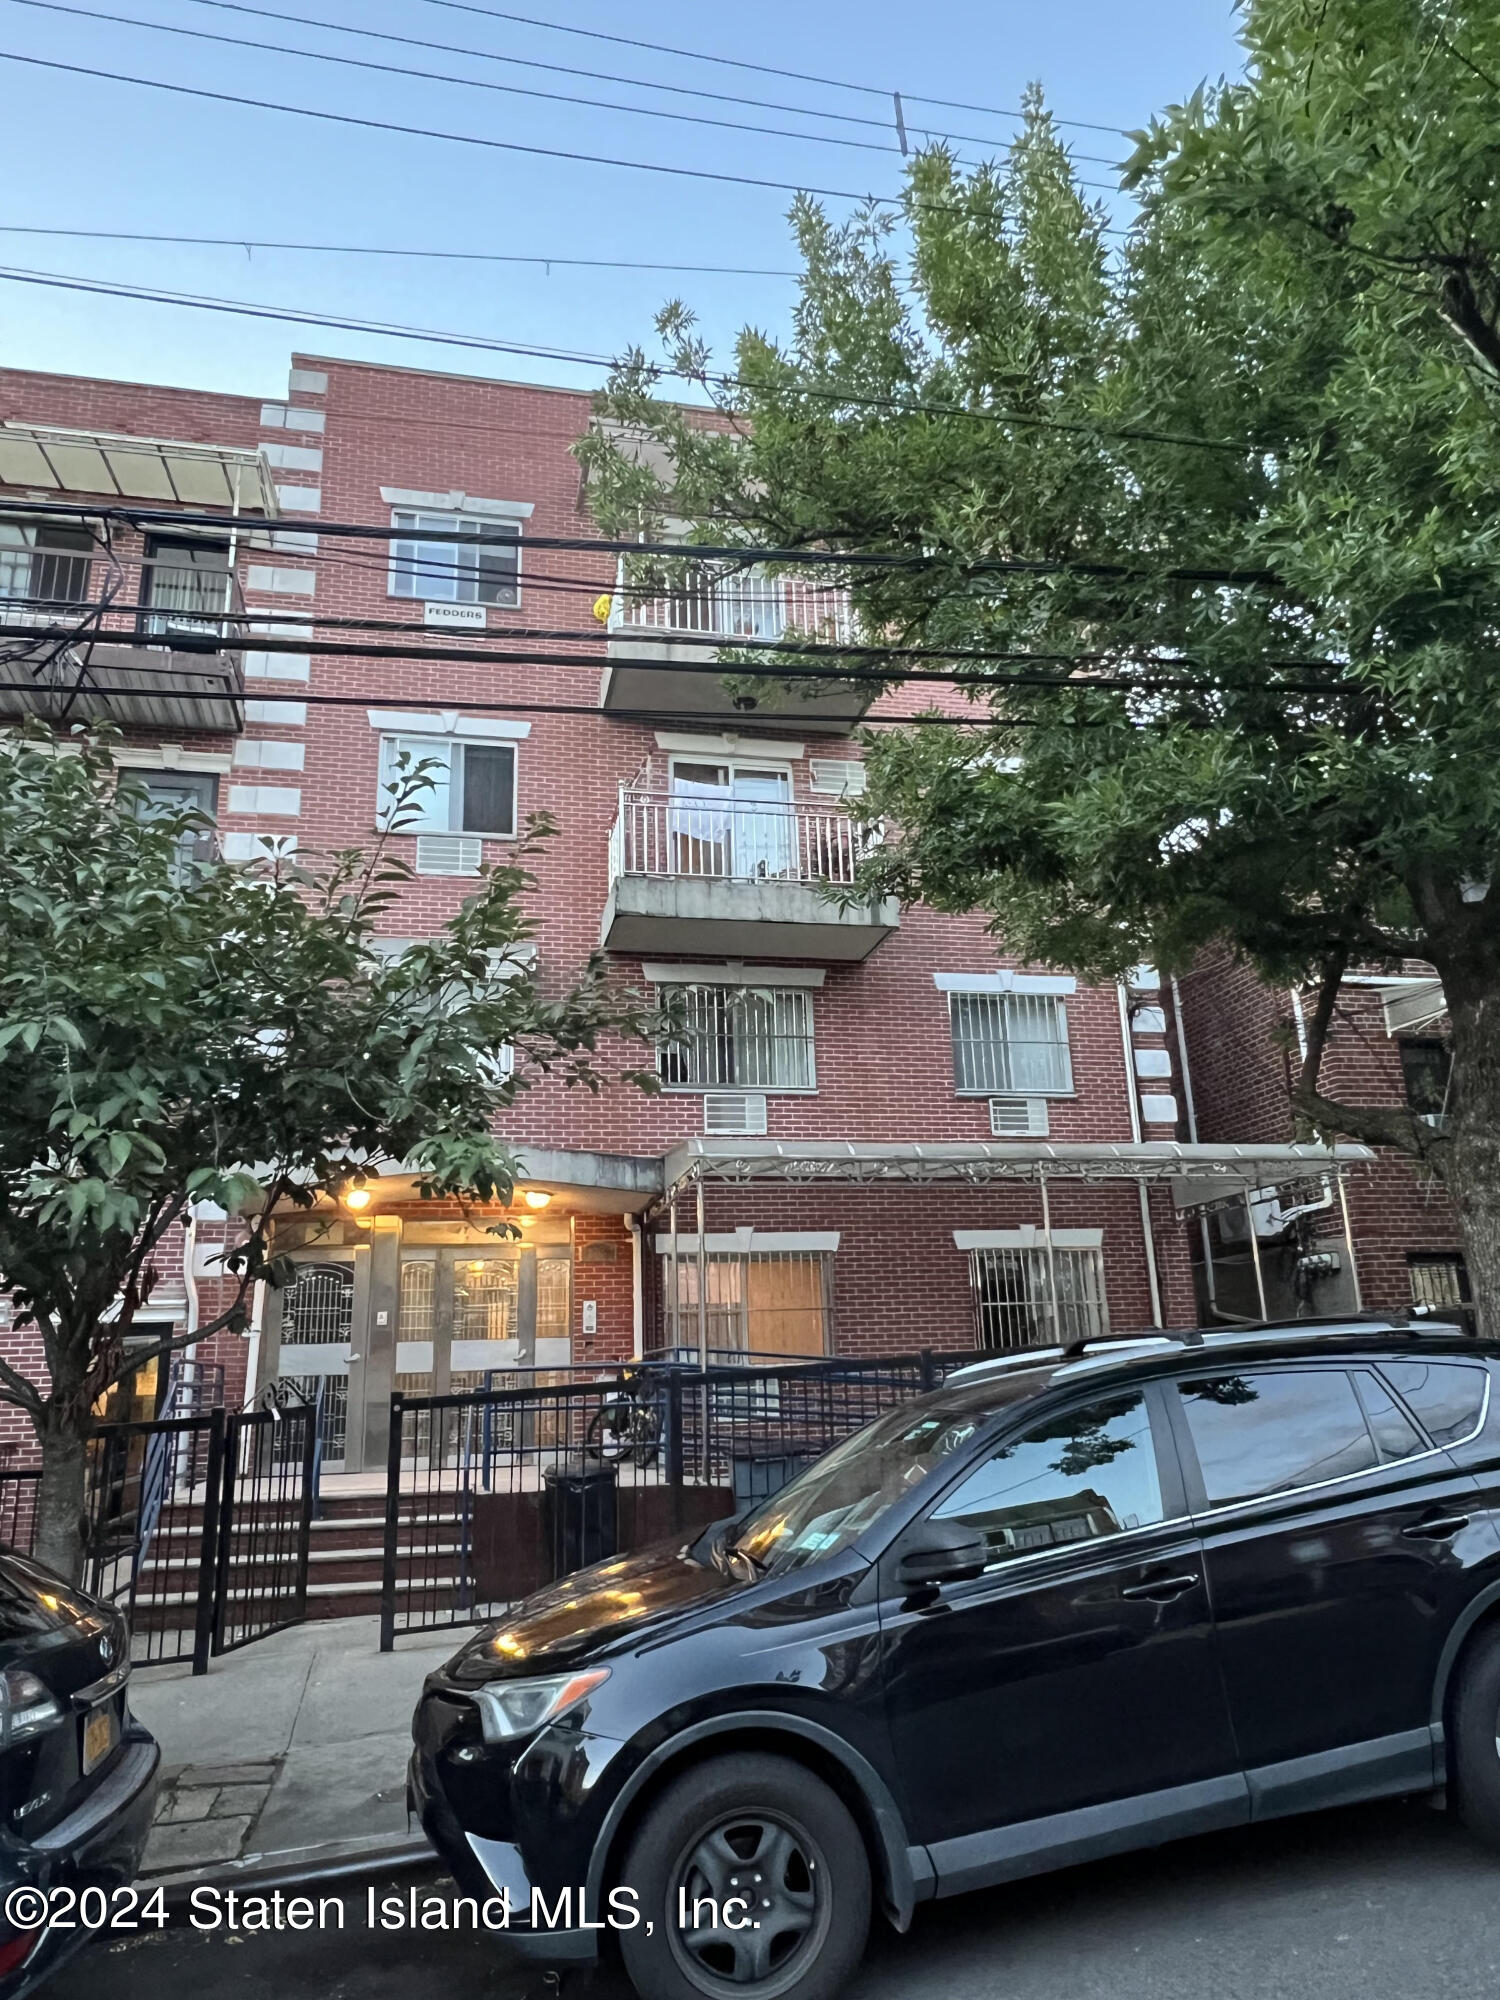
<point>1155,1336</point>
<point>1198,1336</point>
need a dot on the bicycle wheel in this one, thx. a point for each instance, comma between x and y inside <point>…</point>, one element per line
<point>609,1436</point>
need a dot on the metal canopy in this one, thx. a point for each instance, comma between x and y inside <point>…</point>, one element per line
<point>47,458</point>
<point>1198,1174</point>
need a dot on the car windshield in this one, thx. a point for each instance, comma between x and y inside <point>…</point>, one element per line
<point>834,1501</point>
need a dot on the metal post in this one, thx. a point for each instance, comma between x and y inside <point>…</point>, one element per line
<point>1051,1259</point>
<point>674,1301</point>
<point>392,1528</point>
<point>1359,1302</point>
<point>703,1327</point>
<point>213,1555</point>
<point>1260,1276</point>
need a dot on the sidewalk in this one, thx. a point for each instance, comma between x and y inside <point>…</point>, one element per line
<point>290,1755</point>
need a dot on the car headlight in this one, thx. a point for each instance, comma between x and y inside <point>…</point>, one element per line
<point>508,1709</point>
<point>27,1707</point>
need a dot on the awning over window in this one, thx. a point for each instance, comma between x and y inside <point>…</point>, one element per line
<point>48,458</point>
<point>1416,1003</point>
<point>1198,1175</point>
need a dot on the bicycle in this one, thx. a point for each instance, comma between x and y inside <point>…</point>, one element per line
<point>628,1427</point>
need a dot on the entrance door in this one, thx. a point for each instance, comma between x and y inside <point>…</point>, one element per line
<point>317,1318</point>
<point>470,1311</point>
<point>1079,1670</point>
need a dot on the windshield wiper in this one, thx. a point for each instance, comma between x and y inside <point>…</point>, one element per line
<point>732,1550</point>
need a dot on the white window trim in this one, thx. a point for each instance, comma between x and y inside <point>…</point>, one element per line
<point>745,1239</point>
<point>1004,981</point>
<point>974,1095</point>
<point>809,1089</point>
<point>457,503</point>
<point>170,757</point>
<point>1030,1236</point>
<point>733,974</point>
<point>487,741</point>
<point>446,722</point>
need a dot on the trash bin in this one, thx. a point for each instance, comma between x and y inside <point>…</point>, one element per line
<point>760,1478</point>
<point>579,1515</point>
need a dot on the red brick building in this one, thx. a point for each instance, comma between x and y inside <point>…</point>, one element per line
<point>879,1133</point>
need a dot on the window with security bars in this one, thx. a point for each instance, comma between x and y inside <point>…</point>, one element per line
<point>738,1038</point>
<point>761,1303</point>
<point>1024,1299</point>
<point>42,564</point>
<point>1010,1044</point>
<point>1440,1286</point>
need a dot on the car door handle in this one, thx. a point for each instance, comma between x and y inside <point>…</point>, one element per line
<point>1438,1529</point>
<point>1160,1589</point>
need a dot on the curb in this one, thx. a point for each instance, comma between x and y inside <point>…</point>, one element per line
<point>299,1867</point>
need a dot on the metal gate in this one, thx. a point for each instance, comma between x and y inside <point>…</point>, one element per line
<point>198,1528</point>
<point>317,1320</point>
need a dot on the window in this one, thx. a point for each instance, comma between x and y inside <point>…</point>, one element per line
<point>471,789</point>
<point>1079,1477</point>
<point>741,1038</point>
<point>1010,1044</point>
<point>43,564</point>
<point>1258,1434</point>
<point>762,1302</point>
<point>1446,1397</point>
<point>1426,1065</point>
<point>1013,1302</point>
<point>159,793</point>
<point>1394,1432</point>
<point>731,820</point>
<point>488,572</point>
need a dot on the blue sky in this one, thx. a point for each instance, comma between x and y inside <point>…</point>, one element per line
<point>105,155</point>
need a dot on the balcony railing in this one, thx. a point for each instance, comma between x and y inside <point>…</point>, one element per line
<point>51,592</point>
<point>733,841</point>
<point>739,607</point>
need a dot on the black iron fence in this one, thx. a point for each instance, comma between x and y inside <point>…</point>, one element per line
<point>197,1526</point>
<point>490,1495</point>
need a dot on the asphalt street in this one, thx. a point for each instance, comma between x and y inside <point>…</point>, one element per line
<point>1388,1902</point>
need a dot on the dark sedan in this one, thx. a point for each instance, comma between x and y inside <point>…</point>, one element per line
<point>1072,1603</point>
<point>77,1773</point>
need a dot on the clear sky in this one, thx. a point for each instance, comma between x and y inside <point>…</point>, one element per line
<point>90,152</point>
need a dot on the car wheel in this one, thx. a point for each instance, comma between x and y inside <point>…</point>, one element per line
<point>771,1866</point>
<point>1474,1750</point>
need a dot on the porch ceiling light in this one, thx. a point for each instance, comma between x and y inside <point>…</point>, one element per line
<point>357,1197</point>
<point>535,1197</point>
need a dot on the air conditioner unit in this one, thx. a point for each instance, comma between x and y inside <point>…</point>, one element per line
<point>449,854</point>
<point>1019,1117</point>
<point>1268,1220</point>
<point>734,1114</point>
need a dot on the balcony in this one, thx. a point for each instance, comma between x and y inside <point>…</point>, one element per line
<point>144,664</point>
<point>659,646</point>
<point>731,880</point>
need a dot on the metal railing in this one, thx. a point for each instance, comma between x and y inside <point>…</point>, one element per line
<point>159,600</point>
<point>491,1495</point>
<point>733,841</point>
<point>739,606</point>
<point>19,1486</point>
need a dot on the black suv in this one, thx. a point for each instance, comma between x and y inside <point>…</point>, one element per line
<point>1072,1603</point>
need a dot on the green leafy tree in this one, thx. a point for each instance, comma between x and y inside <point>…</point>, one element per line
<point>177,1030</point>
<point>1207,516</point>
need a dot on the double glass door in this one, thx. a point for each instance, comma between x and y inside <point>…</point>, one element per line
<point>466,1313</point>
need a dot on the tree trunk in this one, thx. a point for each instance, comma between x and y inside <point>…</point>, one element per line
<point>1471,1165</point>
<point>62,1497</point>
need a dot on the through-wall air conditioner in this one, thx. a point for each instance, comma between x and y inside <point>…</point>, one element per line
<point>1268,1219</point>
<point>1018,1117</point>
<point>449,854</point>
<point>734,1114</point>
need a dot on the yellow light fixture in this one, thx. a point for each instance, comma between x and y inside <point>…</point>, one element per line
<point>526,1222</point>
<point>364,1222</point>
<point>358,1197</point>
<point>535,1197</point>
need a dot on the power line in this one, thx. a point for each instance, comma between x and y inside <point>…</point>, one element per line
<point>462,82</point>
<point>835,674</point>
<point>391,250</point>
<point>841,398</point>
<point>471,138</point>
<point>736,62</point>
<point>883,124</point>
<point>874,559</point>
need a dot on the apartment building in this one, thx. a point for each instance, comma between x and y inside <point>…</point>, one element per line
<point>878,1131</point>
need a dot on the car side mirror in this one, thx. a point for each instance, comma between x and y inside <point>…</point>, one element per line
<point>941,1552</point>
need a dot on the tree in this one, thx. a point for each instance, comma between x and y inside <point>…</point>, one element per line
<point>176,1030</point>
<point>1209,515</point>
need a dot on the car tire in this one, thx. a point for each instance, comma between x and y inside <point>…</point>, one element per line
<point>701,1839</point>
<point>1474,1751</point>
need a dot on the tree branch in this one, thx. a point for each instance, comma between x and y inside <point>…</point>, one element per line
<point>1459,306</point>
